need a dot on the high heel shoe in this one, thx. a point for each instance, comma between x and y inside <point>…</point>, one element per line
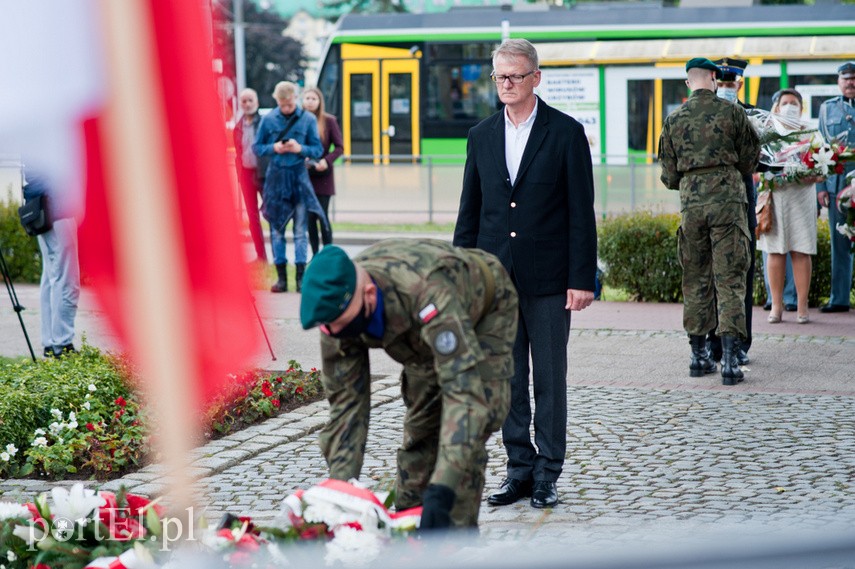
<point>774,319</point>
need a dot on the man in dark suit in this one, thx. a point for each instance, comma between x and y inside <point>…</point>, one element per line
<point>528,198</point>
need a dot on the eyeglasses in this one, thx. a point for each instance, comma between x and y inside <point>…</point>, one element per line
<point>514,79</point>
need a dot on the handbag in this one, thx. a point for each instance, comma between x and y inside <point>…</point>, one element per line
<point>34,216</point>
<point>765,211</point>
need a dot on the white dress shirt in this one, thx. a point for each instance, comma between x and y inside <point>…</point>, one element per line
<point>516,138</point>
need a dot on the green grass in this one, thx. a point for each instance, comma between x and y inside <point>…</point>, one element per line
<point>394,227</point>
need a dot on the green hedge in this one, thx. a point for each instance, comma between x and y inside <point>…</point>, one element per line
<point>20,251</point>
<point>640,254</point>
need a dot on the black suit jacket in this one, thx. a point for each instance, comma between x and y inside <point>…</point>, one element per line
<point>542,227</point>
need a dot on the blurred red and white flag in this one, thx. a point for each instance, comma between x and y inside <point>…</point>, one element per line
<point>133,83</point>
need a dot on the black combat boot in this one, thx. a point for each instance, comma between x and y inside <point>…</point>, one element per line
<point>702,363</point>
<point>282,284</point>
<point>730,372</point>
<point>301,268</point>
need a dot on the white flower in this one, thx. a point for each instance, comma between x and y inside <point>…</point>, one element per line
<point>71,426</point>
<point>40,442</point>
<point>87,405</point>
<point>13,510</point>
<point>846,230</point>
<point>39,432</point>
<point>75,504</point>
<point>55,428</point>
<point>4,456</point>
<point>31,534</point>
<point>353,547</point>
<point>11,449</point>
<point>11,556</point>
<point>324,512</point>
<point>92,387</point>
<point>57,414</point>
<point>72,418</point>
<point>823,158</point>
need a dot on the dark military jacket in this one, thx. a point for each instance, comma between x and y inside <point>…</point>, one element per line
<point>433,295</point>
<point>706,147</point>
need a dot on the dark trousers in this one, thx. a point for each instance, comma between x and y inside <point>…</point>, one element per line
<point>251,188</point>
<point>315,221</point>
<point>543,332</point>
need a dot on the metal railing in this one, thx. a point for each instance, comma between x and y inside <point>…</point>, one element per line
<point>406,188</point>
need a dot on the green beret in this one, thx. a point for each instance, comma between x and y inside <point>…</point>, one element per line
<point>328,286</point>
<point>703,63</point>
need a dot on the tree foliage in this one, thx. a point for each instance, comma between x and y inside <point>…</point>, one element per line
<point>270,56</point>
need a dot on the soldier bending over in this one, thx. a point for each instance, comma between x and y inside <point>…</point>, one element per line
<point>449,315</point>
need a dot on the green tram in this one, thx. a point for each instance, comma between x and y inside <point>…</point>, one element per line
<point>414,84</point>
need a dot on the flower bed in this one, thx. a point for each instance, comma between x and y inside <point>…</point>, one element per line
<point>79,416</point>
<point>82,528</point>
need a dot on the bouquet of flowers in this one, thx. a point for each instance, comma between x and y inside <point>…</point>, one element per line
<point>84,529</point>
<point>798,154</point>
<point>846,206</point>
<point>349,520</point>
<point>80,528</point>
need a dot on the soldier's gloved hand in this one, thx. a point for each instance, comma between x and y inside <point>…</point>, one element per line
<point>436,507</point>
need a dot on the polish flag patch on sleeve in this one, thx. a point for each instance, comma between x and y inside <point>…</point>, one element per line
<point>428,312</point>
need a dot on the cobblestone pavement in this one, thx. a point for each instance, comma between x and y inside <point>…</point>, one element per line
<point>653,455</point>
<point>642,461</point>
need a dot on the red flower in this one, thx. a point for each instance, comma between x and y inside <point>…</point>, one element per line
<point>298,390</point>
<point>41,566</point>
<point>312,532</point>
<point>137,503</point>
<point>278,380</point>
<point>265,389</point>
<point>276,403</point>
<point>839,168</point>
<point>90,427</point>
<point>120,401</point>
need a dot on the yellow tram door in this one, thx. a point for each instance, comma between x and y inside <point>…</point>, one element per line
<point>380,96</point>
<point>400,117</point>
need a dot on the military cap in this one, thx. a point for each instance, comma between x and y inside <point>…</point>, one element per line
<point>703,63</point>
<point>731,68</point>
<point>328,287</point>
<point>847,70</point>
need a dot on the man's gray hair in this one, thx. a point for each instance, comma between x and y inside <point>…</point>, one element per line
<point>517,48</point>
<point>284,90</point>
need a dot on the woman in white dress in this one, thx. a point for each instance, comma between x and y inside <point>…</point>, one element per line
<point>794,228</point>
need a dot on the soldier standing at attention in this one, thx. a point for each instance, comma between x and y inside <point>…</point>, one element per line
<point>449,315</point>
<point>707,146</point>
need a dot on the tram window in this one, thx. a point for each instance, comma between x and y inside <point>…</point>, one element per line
<point>639,113</point>
<point>460,91</point>
<point>768,87</point>
<point>328,82</point>
<point>473,50</point>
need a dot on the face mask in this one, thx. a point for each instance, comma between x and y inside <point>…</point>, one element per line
<point>792,111</point>
<point>727,93</point>
<point>355,327</point>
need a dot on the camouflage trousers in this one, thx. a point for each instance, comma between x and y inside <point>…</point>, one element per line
<point>713,245</point>
<point>426,418</point>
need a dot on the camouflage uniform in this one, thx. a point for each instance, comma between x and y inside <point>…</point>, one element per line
<point>706,146</point>
<point>456,352</point>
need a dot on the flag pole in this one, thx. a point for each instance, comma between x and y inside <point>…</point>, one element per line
<point>152,280</point>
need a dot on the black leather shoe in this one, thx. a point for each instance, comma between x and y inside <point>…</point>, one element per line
<point>59,351</point>
<point>790,307</point>
<point>48,352</point>
<point>767,307</point>
<point>544,495</point>
<point>510,491</point>
<point>742,357</point>
<point>833,308</point>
